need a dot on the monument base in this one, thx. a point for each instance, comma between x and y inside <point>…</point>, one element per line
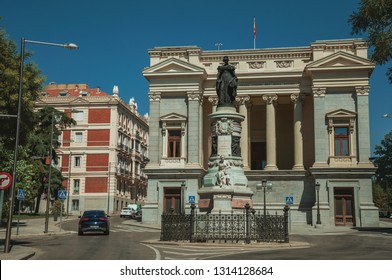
<point>224,200</point>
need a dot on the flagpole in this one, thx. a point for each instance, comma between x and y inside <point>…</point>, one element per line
<point>254,33</point>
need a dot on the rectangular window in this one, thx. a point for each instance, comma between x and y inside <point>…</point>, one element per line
<point>78,137</point>
<point>76,185</point>
<point>77,161</point>
<point>75,204</point>
<point>341,141</point>
<point>78,116</point>
<point>174,144</point>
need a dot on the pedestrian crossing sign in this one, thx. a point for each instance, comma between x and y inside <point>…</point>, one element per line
<point>289,200</point>
<point>21,194</point>
<point>62,194</point>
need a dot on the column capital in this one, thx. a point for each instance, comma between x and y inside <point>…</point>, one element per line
<point>213,100</point>
<point>297,97</point>
<point>154,96</point>
<point>242,99</point>
<point>270,98</point>
<point>194,95</point>
<point>319,91</point>
<point>362,90</point>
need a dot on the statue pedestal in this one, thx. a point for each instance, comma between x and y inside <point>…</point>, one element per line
<point>225,186</point>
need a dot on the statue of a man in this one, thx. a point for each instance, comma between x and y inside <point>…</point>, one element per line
<point>226,84</point>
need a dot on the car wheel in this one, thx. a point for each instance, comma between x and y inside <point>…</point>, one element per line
<point>80,232</point>
<point>106,232</point>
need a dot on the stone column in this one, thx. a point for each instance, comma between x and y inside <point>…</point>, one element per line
<point>154,133</point>
<point>297,99</point>
<point>244,132</point>
<point>321,147</point>
<point>363,124</point>
<point>194,124</point>
<point>271,101</point>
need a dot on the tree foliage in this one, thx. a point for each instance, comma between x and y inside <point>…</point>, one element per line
<point>9,91</point>
<point>374,18</point>
<point>35,126</point>
<point>384,167</point>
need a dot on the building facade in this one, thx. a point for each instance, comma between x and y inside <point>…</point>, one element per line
<point>305,129</point>
<point>103,155</point>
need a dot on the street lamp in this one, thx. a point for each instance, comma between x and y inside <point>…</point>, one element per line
<point>12,197</point>
<point>50,175</point>
<point>264,185</point>
<point>109,167</point>
<point>318,222</point>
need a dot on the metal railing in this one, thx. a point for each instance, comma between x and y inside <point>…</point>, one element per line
<point>233,227</point>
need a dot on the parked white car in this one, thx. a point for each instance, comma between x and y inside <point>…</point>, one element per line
<point>126,212</point>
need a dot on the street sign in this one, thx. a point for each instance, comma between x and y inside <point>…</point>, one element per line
<point>192,199</point>
<point>62,194</point>
<point>289,200</point>
<point>5,180</point>
<point>21,194</point>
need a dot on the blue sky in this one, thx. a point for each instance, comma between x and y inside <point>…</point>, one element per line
<point>114,37</point>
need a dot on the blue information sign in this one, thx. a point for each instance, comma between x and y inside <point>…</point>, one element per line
<point>21,194</point>
<point>192,199</point>
<point>62,194</point>
<point>289,200</point>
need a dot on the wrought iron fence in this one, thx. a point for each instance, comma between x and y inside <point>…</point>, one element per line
<point>234,227</point>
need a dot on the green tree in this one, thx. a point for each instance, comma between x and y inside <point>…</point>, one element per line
<point>374,18</point>
<point>383,163</point>
<point>40,145</point>
<point>9,89</point>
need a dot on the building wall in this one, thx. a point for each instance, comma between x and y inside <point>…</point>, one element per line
<point>93,152</point>
<point>292,100</point>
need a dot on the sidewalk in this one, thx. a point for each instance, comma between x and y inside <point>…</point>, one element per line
<point>36,227</point>
<point>28,228</point>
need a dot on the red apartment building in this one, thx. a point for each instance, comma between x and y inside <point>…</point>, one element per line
<point>102,156</point>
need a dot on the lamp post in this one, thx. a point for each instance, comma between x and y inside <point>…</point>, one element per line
<point>69,181</point>
<point>318,222</point>
<point>12,197</point>
<point>264,185</point>
<point>109,166</point>
<point>49,177</point>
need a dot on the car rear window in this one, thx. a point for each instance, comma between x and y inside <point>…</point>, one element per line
<point>93,214</point>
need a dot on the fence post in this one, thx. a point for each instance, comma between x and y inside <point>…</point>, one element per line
<point>192,221</point>
<point>247,234</point>
<point>286,223</point>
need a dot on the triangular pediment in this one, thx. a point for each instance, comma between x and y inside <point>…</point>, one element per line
<point>341,113</point>
<point>79,100</point>
<point>173,117</point>
<point>173,65</point>
<point>340,60</point>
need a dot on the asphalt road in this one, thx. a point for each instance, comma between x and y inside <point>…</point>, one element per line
<point>124,243</point>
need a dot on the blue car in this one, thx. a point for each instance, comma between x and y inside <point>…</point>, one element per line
<point>94,221</point>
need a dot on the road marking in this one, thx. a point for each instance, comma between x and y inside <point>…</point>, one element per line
<point>157,253</point>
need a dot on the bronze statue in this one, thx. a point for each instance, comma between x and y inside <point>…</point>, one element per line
<point>226,84</point>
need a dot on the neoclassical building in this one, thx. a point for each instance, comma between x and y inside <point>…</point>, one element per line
<point>305,129</point>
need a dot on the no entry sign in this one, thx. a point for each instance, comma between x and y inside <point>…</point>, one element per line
<point>5,180</point>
